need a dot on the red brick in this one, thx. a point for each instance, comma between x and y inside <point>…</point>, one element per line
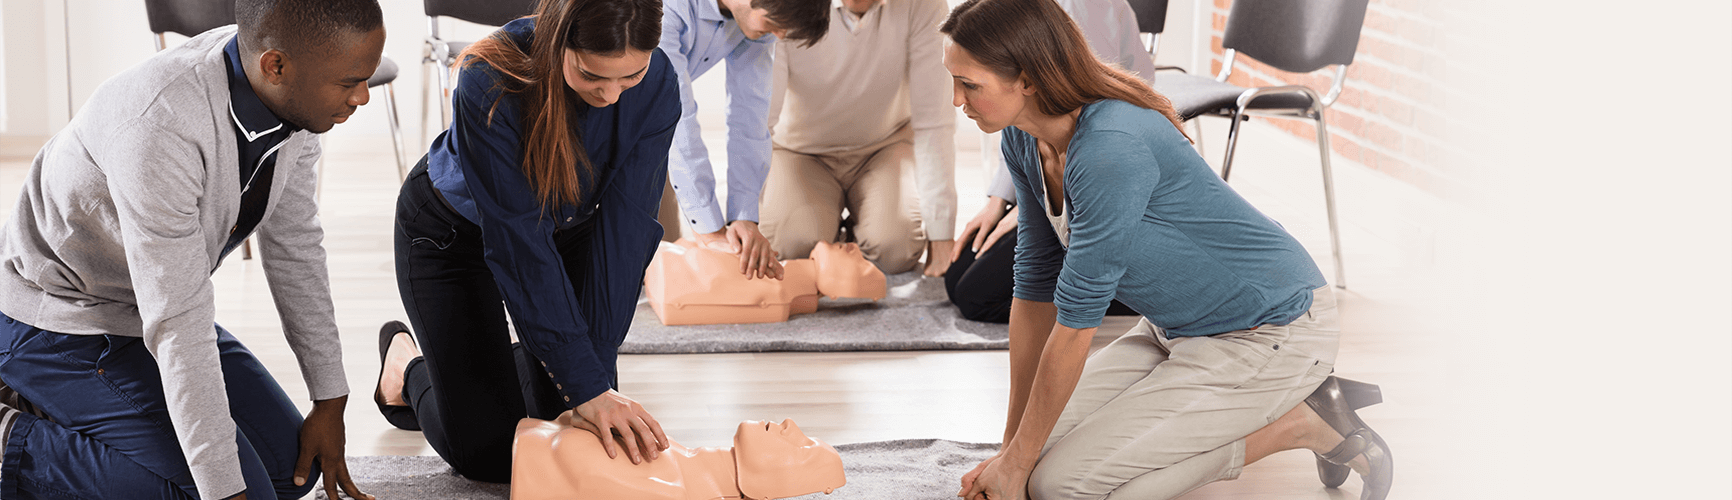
<point>1396,111</point>
<point>1344,147</point>
<point>1346,122</point>
<point>1219,22</point>
<point>1351,97</point>
<point>1378,21</point>
<point>1223,4</point>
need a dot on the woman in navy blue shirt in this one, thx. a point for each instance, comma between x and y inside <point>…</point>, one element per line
<point>542,196</point>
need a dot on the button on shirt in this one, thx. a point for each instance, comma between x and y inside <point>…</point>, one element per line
<point>258,133</point>
<point>572,319</point>
<point>696,37</point>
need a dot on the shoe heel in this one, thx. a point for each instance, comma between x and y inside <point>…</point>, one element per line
<point>1359,394</point>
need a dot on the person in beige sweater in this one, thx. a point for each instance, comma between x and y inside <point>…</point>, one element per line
<point>861,121</point>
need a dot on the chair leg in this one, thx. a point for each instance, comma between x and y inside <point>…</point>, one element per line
<point>1232,143</point>
<point>247,248</point>
<point>396,131</point>
<point>1197,134</point>
<point>426,98</point>
<point>444,95</point>
<point>1329,200</point>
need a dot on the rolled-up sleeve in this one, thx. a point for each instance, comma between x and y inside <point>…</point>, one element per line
<point>1038,253</point>
<point>1109,180</point>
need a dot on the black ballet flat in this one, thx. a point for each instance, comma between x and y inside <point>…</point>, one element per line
<point>1336,401</point>
<point>401,417</point>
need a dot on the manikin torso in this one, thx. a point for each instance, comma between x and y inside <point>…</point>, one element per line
<point>553,460</point>
<point>691,285</point>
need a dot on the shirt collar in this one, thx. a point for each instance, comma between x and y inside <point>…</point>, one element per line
<point>708,10</point>
<point>248,112</point>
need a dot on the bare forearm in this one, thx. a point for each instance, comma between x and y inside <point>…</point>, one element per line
<point>1030,324</point>
<point>1061,365</point>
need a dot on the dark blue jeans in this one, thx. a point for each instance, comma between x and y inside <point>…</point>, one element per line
<point>109,435</point>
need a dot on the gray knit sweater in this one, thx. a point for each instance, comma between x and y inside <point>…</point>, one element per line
<point>120,225</point>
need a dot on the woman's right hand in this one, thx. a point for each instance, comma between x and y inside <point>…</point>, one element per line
<point>612,413</point>
<point>977,229</point>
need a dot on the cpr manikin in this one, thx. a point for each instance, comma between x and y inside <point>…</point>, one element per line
<point>553,460</point>
<point>691,285</point>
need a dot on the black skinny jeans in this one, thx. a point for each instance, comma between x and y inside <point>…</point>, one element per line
<point>472,384</point>
<point>981,285</point>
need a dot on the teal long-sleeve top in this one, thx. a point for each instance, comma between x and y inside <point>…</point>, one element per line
<point>1154,227</point>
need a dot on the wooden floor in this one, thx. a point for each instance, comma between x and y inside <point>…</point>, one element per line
<point>854,397</point>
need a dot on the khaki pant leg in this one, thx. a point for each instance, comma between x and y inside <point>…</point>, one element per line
<point>1184,424</point>
<point>669,214</point>
<point>801,204</point>
<point>886,206</point>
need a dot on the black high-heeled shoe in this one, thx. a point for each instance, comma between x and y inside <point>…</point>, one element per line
<point>401,417</point>
<point>1335,401</point>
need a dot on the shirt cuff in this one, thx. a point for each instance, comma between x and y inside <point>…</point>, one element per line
<point>576,383</point>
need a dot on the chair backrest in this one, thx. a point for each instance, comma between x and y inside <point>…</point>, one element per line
<point>488,12</point>
<point>1151,15</point>
<point>1299,36</point>
<point>188,17</point>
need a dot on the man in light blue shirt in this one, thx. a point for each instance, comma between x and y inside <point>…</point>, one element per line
<point>697,35</point>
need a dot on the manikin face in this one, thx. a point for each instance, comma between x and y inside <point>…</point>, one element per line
<point>777,460</point>
<point>993,102</point>
<point>316,91</point>
<point>599,79</point>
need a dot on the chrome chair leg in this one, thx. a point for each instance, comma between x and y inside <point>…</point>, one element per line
<point>426,96</point>
<point>396,131</point>
<point>1232,143</point>
<point>1329,199</point>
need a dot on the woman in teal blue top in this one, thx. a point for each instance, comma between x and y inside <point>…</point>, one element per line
<point>1239,326</point>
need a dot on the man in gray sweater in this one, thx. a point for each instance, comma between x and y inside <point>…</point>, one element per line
<point>125,387</point>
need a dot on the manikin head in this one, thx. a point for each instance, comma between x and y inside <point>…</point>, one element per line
<point>777,460</point>
<point>843,272</point>
<point>309,60</point>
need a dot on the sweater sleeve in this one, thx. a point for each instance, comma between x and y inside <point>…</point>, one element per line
<point>933,121</point>
<point>293,254</point>
<point>156,178</point>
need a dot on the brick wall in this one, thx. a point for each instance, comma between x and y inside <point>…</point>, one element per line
<point>1389,116</point>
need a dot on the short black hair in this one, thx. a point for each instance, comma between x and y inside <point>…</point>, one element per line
<point>805,20</point>
<point>301,25</point>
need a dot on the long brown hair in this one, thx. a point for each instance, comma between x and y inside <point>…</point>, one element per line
<point>552,144</point>
<point>1037,40</point>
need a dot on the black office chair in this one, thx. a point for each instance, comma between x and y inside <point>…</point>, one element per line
<point>442,53</point>
<point>1298,36</point>
<point>191,17</point>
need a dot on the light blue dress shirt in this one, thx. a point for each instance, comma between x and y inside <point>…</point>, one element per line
<point>696,37</point>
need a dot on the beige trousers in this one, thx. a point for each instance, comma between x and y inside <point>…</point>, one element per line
<point>1153,417</point>
<point>805,194</point>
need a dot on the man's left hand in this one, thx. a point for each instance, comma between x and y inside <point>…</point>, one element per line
<point>322,438</point>
<point>938,257</point>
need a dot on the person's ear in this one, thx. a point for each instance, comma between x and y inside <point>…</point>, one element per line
<point>1023,85</point>
<point>273,64</point>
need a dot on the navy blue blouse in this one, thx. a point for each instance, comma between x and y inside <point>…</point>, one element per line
<point>477,166</point>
